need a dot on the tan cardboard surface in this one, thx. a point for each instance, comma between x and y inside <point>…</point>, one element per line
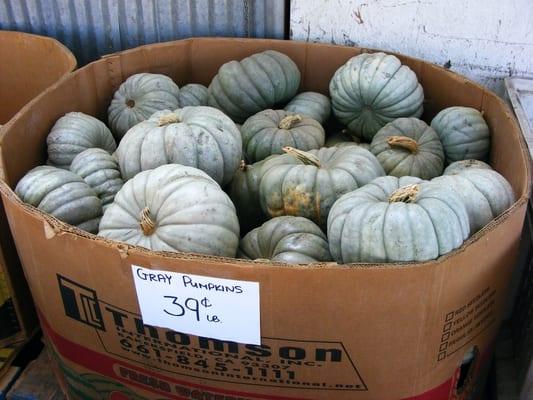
<point>30,64</point>
<point>365,332</point>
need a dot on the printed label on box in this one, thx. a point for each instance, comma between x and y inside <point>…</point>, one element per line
<point>224,309</point>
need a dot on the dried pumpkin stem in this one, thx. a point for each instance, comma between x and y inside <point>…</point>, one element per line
<point>243,166</point>
<point>303,156</point>
<point>170,118</point>
<point>289,121</point>
<point>405,194</point>
<point>147,223</point>
<point>403,142</point>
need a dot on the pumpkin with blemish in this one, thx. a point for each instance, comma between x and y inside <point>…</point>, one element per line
<point>307,184</point>
<point>458,166</point>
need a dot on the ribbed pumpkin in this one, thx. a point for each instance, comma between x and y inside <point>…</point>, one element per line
<point>193,94</point>
<point>99,170</point>
<point>485,193</point>
<point>62,194</point>
<point>138,98</point>
<point>306,184</point>
<point>371,90</point>
<point>200,137</point>
<point>396,219</point>
<point>312,104</point>
<point>409,147</point>
<point>173,208</point>
<point>341,139</point>
<point>74,133</point>
<point>243,88</point>
<point>244,192</point>
<point>459,166</point>
<point>463,132</point>
<point>291,240</point>
<point>267,132</point>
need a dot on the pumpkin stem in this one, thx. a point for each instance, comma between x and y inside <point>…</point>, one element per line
<point>170,118</point>
<point>403,142</point>
<point>147,223</point>
<point>243,166</point>
<point>130,103</point>
<point>406,194</point>
<point>289,121</point>
<point>303,156</point>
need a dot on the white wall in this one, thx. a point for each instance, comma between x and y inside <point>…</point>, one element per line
<point>486,40</point>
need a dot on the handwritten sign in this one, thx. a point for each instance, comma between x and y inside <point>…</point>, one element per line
<point>224,309</point>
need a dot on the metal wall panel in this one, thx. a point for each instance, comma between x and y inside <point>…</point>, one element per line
<point>91,28</point>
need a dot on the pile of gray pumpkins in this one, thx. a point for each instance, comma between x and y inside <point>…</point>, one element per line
<point>293,184</point>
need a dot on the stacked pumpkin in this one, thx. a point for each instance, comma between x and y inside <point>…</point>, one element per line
<point>185,177</point>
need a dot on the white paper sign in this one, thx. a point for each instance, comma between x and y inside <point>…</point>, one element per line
<point>224,309</point>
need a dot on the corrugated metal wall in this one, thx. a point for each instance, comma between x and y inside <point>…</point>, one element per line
<point>91,28</point>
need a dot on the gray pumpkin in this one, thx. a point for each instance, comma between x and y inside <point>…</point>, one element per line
<point>291,240</point>
<point>193,94</point>
<point>173,208</point>
<point>307,184</point>
<point>269,131</point>
<point>138,98</point>
<point>485,193</point>
<point>62,194</point>
<point>458,166</point>
<point>371,90</point>
<point>244,192</point>
<point>463,132</point>
<point>99,170</point>
<point>76,132</point>
<point>312,104</point>
<point>396,220</point>
<point>200,137</point>
<point>409,147</point>
<point>258,82</point>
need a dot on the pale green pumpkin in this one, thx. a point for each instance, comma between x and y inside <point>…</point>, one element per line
<point>463,132</point>
<point>484,191</point>
<point>409,147</point>
<point>370,90</point>
<point>458,166</point>
<point>396,220</point>
<point>291,240</point>
<point>99,170</point>
<point>173,208</point>
<point>312,104</point>
<point>138,98</point>
<point>193,94</point>
<point>62,194</point>
<point>256,83</point>
<point>76,132</point>
<point>200,137</point>
<point>269,131</point>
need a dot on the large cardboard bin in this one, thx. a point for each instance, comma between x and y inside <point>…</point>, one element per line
<point>29,64</point>
<point>328,332</point>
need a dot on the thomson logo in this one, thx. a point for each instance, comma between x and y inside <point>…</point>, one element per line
<point>81,303</point>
